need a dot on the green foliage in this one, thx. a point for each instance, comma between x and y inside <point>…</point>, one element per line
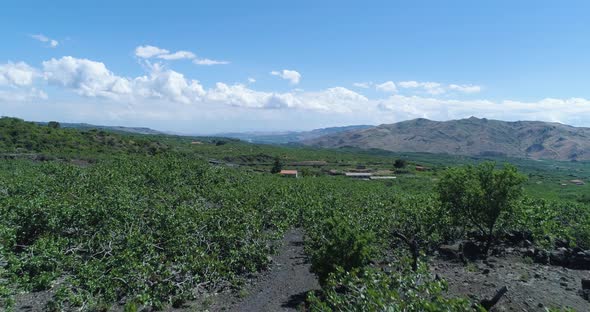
<point>53,124</point>
<point>277,166</point>
<point>399,163</point>
<point>479,195</point>
<point>18,136</point>
<point>372,289</point>
<point>145,229</point>
<point>150,219</point>
<point>342,244</point>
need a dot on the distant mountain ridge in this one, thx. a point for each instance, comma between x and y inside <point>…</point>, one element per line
<point>471,137</point>
<point>289,136</point>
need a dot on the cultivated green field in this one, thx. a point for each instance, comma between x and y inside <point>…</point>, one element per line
<point>154,221</point>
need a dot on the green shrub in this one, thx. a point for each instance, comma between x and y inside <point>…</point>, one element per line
<point>343,244</point>
<point>372,289</point>
<point>480,195</point>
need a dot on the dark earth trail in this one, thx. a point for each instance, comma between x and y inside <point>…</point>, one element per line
<point>284,286</point>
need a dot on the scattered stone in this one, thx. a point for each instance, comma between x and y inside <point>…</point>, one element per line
<point>485,271</point>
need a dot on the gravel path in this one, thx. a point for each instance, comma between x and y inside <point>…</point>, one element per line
<point>284,286</point>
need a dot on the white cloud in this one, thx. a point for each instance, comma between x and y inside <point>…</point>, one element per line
<point>17,82</point>
<point>167,95</point>
<point>206,61</point>
<point>86,77</point>
<point>364,85</point>
<point>388,86</point>
<point>433,88</point>
<point>178,55</point>
<point>40,37</point>
<point>93,79</point>
<point>17,74</point>
<point>293,76</point>
<point>465,88</point>
<point>167,85</point>
<point>251,80</point>
<point>148,52</point>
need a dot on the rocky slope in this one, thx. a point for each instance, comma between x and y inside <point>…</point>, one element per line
<point>472,136</point>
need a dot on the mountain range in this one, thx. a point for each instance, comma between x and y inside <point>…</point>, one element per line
<point>471,136</point>
<point>286,137</point>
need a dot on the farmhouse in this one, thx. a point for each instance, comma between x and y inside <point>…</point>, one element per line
<point>289,173</point>
<point>421,168</point>
<point>577,182</point>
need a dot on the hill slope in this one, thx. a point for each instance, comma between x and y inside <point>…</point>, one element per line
<point>472,136</point>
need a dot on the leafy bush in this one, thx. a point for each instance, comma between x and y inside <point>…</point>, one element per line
<point>372,289</point>
<point>399,163</point>
<point>277,166</point>
<point>342,244</point>
<point>480,195</point>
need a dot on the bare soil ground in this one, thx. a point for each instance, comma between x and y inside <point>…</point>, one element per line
<point>531,286</point>
<point>282,288</point>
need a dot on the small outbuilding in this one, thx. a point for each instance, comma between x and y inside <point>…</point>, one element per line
<point>577,182</point>
<point>382,177</point>
<point>289,173</point>
<point>359,175</point>
<point>421,168</point>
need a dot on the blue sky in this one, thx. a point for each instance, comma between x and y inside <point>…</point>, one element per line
<point>334,62</point>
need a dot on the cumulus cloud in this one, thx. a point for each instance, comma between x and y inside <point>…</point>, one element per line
<point>17,82</point>
<point>42,38</point>
<point>17,74</point>
<point>93,79</point>
<point>148,52</point>
<point>162,93</point>
<point>388,86</point>
<point>293,76</point>
<point>86,77</point>
<point>251,80</point>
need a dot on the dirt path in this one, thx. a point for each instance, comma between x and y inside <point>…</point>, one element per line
<point>283,287</point>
